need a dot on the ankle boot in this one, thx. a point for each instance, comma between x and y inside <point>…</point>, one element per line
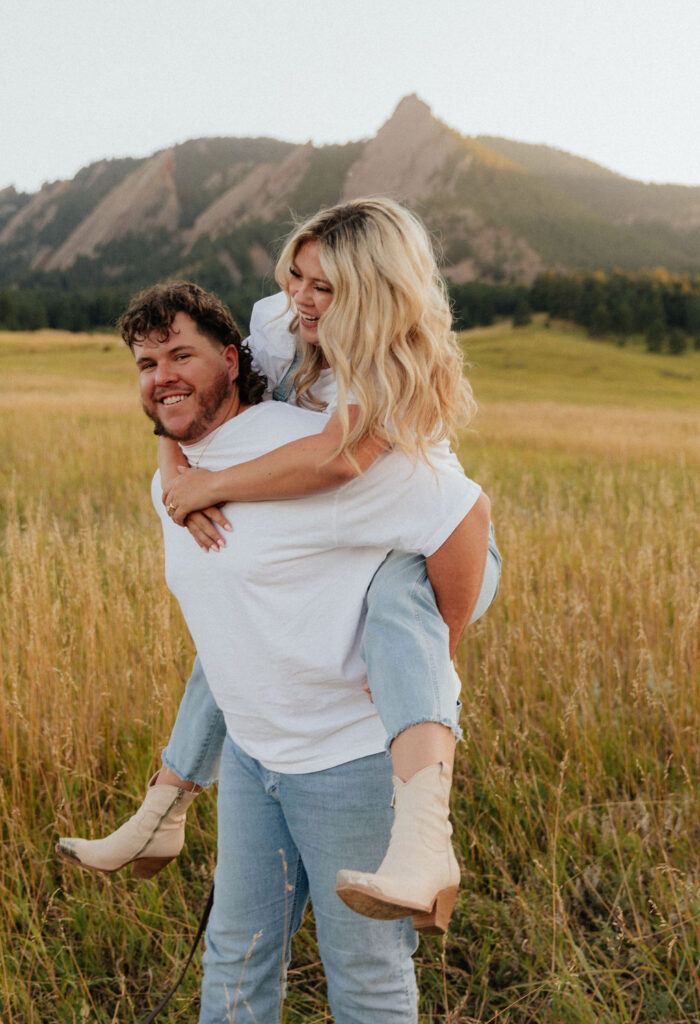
<point>149,840</point>
<point>419,875</point>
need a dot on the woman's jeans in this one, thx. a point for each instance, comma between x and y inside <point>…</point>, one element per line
<point>405,646</point>
<point>282,839</point>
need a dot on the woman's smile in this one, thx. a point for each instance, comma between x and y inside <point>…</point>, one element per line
<point>310,290</point>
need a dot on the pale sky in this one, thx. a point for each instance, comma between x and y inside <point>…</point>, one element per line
<point>617,81</point>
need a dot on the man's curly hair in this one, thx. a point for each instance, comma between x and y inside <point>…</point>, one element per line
<point>153,311</point>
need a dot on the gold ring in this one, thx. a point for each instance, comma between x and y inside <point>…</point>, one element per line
<point>170,509</point>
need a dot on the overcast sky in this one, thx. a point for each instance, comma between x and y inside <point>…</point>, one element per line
<point>617,81</point>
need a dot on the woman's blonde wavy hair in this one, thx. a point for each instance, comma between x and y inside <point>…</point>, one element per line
<point>387,333</point>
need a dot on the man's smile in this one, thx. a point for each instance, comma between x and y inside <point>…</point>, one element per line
<point>186,380</point>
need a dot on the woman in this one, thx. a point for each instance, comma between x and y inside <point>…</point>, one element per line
<point>371,344</point>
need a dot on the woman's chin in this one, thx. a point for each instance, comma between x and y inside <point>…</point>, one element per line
<point>309,336</point>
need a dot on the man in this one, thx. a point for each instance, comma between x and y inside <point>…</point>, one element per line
<point>276,617</point>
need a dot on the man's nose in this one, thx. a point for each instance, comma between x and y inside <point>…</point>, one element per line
<point>166,372</point>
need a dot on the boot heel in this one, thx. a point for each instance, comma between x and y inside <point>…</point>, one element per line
<point>147,867</point>
<point>436,921</point>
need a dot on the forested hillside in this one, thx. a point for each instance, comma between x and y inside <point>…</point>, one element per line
<point>503,213</point>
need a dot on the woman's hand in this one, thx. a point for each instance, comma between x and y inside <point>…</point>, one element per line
<point>186,502</point>
<point>201,526</point>
<point>192,490</point>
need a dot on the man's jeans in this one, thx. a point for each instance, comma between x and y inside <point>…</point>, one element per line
<point>405,649</point>
<point>282,838</point>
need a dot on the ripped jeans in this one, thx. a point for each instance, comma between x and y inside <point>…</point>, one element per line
<point>405,646</point>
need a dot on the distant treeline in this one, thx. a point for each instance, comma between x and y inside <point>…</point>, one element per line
<point>94,309</point>
<point>662,307</point>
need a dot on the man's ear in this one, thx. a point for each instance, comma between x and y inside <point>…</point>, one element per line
<point>231,357</point>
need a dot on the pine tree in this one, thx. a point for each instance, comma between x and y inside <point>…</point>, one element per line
<point>655,335</point>
<point>522,314</point>
<point>677,342</point>
<point>600,321</point>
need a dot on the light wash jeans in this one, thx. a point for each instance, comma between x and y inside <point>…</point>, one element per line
<point>404,646</point>
<point>281,839</point>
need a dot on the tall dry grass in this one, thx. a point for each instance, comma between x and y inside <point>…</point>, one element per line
<point>576,805</point>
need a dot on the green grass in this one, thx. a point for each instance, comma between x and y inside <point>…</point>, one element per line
<point>561,364</point>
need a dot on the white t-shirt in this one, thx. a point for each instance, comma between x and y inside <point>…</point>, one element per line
<point>277,615</point>
<point>273,347</point>
<point>270,342</point>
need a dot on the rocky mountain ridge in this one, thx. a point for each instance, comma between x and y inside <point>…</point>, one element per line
<point>211,208</point>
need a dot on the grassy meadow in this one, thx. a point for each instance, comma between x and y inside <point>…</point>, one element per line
<point>576,802</point>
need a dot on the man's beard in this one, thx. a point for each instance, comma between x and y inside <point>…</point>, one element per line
<point>208,404</point>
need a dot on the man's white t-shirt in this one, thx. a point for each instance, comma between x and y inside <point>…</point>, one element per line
<point>277,615</point>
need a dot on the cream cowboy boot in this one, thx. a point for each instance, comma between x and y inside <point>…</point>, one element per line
<point>419,875</point>
<point>149,840</point>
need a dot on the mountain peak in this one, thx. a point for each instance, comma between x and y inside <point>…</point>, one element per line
<point>405,157</point>
<point>412,107</point>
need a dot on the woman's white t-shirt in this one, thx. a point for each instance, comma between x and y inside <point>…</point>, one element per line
<point>273,349</point>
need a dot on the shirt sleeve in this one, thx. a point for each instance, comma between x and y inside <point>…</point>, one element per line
<point>404,505</point>
<point>271,343</point>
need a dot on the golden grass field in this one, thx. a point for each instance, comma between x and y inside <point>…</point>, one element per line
<point>576,806</point>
